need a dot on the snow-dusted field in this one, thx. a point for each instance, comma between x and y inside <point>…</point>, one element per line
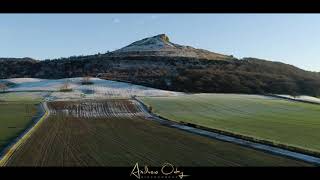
<point>23,80</point>
<point>304,98</point>
<point>96,109</point>
<point>99,89</point>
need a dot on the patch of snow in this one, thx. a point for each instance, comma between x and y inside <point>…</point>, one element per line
<point>99,89</point>
<point>23,80</point>
<point>302,97</point>
<point>309,98</point>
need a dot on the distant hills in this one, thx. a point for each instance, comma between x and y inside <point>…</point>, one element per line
<point>159,63</point>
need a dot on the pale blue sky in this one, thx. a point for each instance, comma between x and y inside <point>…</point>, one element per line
<point>289,38</point>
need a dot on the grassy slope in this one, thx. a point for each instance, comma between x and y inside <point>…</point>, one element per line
<point>22,96</point>
<point>122,141</point>
<point>14,118</point>
<point>277,120</point>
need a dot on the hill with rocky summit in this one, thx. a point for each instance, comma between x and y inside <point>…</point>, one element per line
<point>160,45</point>
<point>157,62</point>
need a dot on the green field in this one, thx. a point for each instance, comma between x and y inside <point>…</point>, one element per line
<point>286,122</point>
<point>22,96</point>
<point>117,133</point>
<point>15,117</point>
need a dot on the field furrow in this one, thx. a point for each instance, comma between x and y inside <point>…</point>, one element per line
<point>117,132</point>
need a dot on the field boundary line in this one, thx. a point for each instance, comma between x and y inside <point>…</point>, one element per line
<point>277,144</point>
<point>6,157</point>
<point>247,141</point>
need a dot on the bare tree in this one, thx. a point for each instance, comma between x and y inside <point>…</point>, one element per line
<point>86,80</point>
<point>3,87</point>
<point>66,86</point>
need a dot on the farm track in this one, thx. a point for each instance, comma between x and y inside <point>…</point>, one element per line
<point>22,138</point>
<point>120,133</point>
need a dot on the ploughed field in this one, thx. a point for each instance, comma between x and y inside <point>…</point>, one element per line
<point>280,121</point>
<point>118,133</point>
<point>15,117</point>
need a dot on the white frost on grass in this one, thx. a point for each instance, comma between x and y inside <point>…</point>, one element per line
<point>100,109</point>
<point>302,97</point>
<point>23,80</point>
<point>99,89</point>
<point>236,96</point>
<point>40,85</point>
<point>309,98</point>
<point>23,96</point>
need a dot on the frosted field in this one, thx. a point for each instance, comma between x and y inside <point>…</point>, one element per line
<point>24,96</point>
<point>276,120</point>
<point>304,98</point>
<point>23,80</point>
<point>99,109</point>
<point>99,88</point>
<point>118,133</point>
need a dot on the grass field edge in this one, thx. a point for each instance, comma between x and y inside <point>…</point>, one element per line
<point>24,138</point>
<point>236,135</point>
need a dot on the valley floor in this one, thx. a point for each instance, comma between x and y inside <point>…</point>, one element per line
<point>116,132</point>
<point>101,125</point>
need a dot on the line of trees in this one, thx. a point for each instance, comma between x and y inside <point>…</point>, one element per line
<point>248,75</point>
